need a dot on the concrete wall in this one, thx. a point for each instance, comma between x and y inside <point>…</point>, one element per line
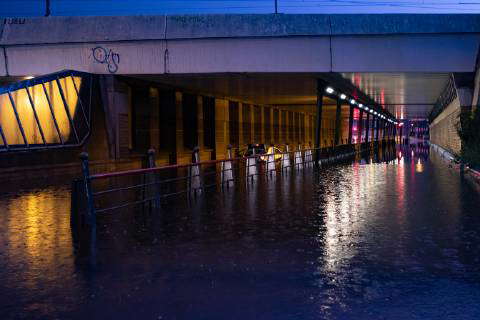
<point>118,101</point>
<point>443,130</point>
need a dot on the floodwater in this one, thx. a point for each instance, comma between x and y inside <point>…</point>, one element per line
<point>361,240</point>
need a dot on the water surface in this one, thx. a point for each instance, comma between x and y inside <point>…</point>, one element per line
<point>361,240</point>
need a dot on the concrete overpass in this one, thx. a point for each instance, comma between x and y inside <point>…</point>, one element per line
<point>257,74</point>
<point>401,61</point>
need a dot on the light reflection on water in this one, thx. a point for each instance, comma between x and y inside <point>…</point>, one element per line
<point>367,240</point>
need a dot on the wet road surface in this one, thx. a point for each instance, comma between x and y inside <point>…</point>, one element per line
<point>363,240</point>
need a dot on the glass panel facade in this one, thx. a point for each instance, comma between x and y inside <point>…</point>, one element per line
<point>37,107</point>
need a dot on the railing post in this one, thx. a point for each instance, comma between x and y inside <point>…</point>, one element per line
<point>152,179</point>
<point>92,218</point>
<point>271,161</point>
<point>308,155</point>
<point>298,157</point>
<point>286,158</point>
<point>227,168</point>
<point>88,189</point>
<point>195,183</point>
<point>151,158</point>
<point>251,166</point>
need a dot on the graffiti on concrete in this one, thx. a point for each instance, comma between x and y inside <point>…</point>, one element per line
<point>108,57</point>
<point>14,21</point>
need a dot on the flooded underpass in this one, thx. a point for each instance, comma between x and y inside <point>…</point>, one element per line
<point>367,239</point>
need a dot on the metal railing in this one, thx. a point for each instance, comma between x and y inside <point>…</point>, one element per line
<point>100,193</point>
<point>106,195</point>
<point>97,194</point>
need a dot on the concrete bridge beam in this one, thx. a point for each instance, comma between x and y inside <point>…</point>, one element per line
<point>240,43</point>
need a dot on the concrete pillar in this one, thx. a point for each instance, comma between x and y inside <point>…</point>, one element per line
<point>280,126</point>
<point>222,137</point>
<point>310,129</point>
<point>287,127</point>
<point>383,126</point>
<point>154,119</point>
<point>360,127</point>
<point>350,125</point>
<point>252,123</point>
<point>338,122</point>
<point>270,128</point>
<point>367,129</point>
<point>115,101</point>
<point>262,126</point>
<point>240,126</point>
<point>107,93</point>
<point>201,142</point>
<point>318,125</point>
<point>179,130</point>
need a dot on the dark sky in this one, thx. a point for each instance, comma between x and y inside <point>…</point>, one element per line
<point>131,7</point>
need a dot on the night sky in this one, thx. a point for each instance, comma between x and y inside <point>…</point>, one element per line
<point>25,8</point>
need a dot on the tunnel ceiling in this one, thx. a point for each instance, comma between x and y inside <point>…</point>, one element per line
<point>405,95</point>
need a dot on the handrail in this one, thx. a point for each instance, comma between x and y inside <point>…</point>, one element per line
<point>151,190</point>
<point>185,165</point>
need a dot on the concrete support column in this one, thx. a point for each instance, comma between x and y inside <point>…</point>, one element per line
<point>252,123</point>
<point>318,122</point>
<point>240,126</point>
<point>271,128</point>
<point>285,133</point>
<point>360,127</point>
<point>179,130</point>
<point>338,121</point>
<point>201,144</point>
<point>384,126</point>
<point>377,122</point>
<point>367,129</point>
<point>262,126</point>
<point>350,125</point>
<point>318,125</point>
<point>108,96</point>
<point>221,128</point>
